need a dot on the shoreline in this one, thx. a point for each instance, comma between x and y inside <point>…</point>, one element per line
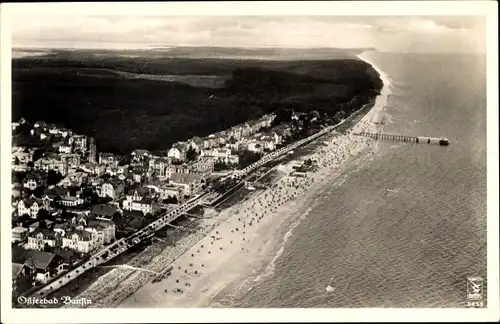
<point>228,274</point>
<point>238,258</point>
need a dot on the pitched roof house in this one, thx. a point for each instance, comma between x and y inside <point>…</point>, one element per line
<point>105,211</point>
<point>44,264</point>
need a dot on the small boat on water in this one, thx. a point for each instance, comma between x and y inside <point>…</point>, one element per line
<point>330,288</point>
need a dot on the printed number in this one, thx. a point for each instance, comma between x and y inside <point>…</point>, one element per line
<point>475,304</point>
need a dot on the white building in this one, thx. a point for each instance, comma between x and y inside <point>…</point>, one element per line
<point>65,148</point>
<point>29,207</point>
<point>81,241</point>
<point>189,182</point>
<point>111,189</point>
<point>71,201</point>
<point>105,229</point>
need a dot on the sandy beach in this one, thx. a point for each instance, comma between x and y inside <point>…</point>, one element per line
<point>214,270</point>
<point>238,247</point>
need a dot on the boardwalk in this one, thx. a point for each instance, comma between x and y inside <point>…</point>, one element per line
<point>111,251</point>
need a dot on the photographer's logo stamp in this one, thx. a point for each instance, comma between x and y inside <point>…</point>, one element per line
<point>474,288</point>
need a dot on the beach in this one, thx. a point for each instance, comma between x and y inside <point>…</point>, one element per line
<point>237,248</point>
<point>235,255</point>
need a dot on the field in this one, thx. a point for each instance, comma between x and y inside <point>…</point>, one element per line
<point>151,101</point>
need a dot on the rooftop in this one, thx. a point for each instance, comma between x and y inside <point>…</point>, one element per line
<point>185,177</point>
<point>19,229</point>
<point>39,259</point>
<point>104,209</point>
<point>16,269</point>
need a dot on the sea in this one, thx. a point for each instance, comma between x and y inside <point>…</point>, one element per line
<point>407,227</point>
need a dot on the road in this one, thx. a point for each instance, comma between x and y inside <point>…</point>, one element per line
<point>122,245</point>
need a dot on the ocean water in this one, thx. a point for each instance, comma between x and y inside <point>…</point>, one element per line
<point>408,225</point>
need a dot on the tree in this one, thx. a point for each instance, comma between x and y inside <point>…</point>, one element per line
<point>282,115</point>
<point>39,191</point>
<point>247,157</point>
<point>43,214</point>
<point>53,177</point>
<point>219,166</point>
<point>38,154</point>
<point>73,190</point>
<point>19,254</point>
<point>47,248</point>
<point>191,154</point>
<point>171,200</point>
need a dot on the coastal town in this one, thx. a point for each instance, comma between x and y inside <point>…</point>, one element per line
<point>70,201</point>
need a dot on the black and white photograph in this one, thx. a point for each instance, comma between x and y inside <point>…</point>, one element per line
<point>259,157</point>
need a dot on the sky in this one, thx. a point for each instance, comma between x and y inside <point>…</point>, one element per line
<point>426,34</point>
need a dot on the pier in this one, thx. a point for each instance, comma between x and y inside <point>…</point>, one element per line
<point>405,138</point>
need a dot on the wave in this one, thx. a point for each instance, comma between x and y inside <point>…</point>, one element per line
<point>269,271</point>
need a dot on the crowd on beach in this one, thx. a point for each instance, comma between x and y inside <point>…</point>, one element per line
<point>195,261</point>
<point>183,281</point>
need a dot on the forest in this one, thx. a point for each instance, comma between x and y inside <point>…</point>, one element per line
<point>82,93</point>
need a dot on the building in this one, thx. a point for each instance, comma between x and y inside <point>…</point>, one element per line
<point>209,142</point>
<point>189,182</point>
<point>204,166</point>
<point>21,155</point>
<point>80,240</point>
<point>41,124</point>
<point>43,265</point>
<point>107,159</point>
<point>178,151</point>
<point>71,159</point>
<point>145,205</point>
<point>66,182</point>
<point>219,154</point>
<point>104,228</point>
<point>34,180</point>
<point>158,167</point>
<point>283,131</point>
<point>30,207</point>
<point>20,277</point>
<point>167,191</point>
<point>256,147</point>
<point>233,159</point>
<point>65,148</point>
<point>112,189</point>
<point>233,143</point>
<point>142,199</point>
<point>71,201</point>
<point>19,234</point>
<point>48,163</point>
<point>38,238</point>
<point>92,151</point>
<point>177,168</point>
<point>65,132</point>
<point>78,178</point>
<point>105,211</point>
<point>195,143</point>
<point>140,156</point>
<point>246,130</point>
<point>80,142</point>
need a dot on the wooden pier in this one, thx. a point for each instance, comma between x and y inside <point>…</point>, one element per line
<point>405,138</point>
